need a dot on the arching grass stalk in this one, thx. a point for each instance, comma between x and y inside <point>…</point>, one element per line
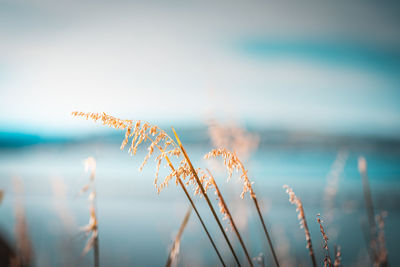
<point>197,212</point>
<point>138,132</point>
<point>226,212</point>
<point>232,162</point>
<point>199,183</point>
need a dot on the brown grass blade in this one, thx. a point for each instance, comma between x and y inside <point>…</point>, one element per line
<point>206,197</point>
<point>225,210</point>
<point>232,162</point>
<point>139,132</point>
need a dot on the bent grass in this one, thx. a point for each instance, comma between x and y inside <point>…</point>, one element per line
<point>227,214</point>
<point>140,132</point>
<point>232,162</point>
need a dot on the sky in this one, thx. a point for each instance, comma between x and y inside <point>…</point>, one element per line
<point>330,67</point>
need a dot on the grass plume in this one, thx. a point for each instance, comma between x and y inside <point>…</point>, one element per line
<point>174,253</point>
<point>232,162</point>
<point>204,194</point>
<point>138,132</point>
<point>327,258</point>
<point>303,222</point>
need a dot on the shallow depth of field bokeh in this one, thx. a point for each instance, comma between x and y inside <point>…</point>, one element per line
<point>309,89</point>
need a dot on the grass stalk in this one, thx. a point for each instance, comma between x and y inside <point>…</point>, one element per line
<point>206,197</point>
<point>253,196</point>
<point>227,212</point>
<point>231,161</point>
<point>303,222</point>
<point>362,166</point>
<point>265,231</point>
<point>193,206</point>
<point>175,247</point>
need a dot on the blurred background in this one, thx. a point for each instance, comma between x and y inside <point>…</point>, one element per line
<point>316,84</point>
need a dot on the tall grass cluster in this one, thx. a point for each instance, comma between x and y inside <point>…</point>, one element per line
<point>232,146</point>
<point>230,143</point>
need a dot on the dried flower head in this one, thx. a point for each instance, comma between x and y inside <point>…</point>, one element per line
<point>302,218</point>
<point>327,258</point>
<point>232,162</point>
<point>233,137</point>
<point>139,132</point>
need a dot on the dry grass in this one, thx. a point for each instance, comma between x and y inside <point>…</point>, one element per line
<point>233,137</point>
<point>377,247</point>
<point>327,258</point>
<point>223,208</point>
<point>302,219</point>
<point>91,229</point>
<point>204,194</point>
<point>175,249</point>
<point>139,132</point>
<point>232,142</point>
<point>232,162</point>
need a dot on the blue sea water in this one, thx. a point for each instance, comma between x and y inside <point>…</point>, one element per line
<point>137,226</point>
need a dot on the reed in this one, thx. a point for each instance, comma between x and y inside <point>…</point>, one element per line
<point>91,228</point>
<point>377,248</point>
<point>224,210</point>
<point>303,222</point>
<point>173,255</point>
<point>140,132</point>
<point>232,162</point>
<point>204,194</point>
<point>327,258</point>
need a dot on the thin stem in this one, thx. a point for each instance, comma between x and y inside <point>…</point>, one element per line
<point>194,207</point>
<point>96,252</point>
<point>253,196</point>
<point>230,219</point>
<point>206,197</point>
<point>178,236</point>
<point>309,243</point>
<point>266,231</point>
<point>368,201</point>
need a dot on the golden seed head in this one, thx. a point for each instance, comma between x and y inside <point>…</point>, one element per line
<point>232,162</point>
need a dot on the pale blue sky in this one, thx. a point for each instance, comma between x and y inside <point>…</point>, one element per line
<point>330,67</point>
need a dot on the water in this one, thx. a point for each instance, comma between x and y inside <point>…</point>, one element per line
<point>137,226</point>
